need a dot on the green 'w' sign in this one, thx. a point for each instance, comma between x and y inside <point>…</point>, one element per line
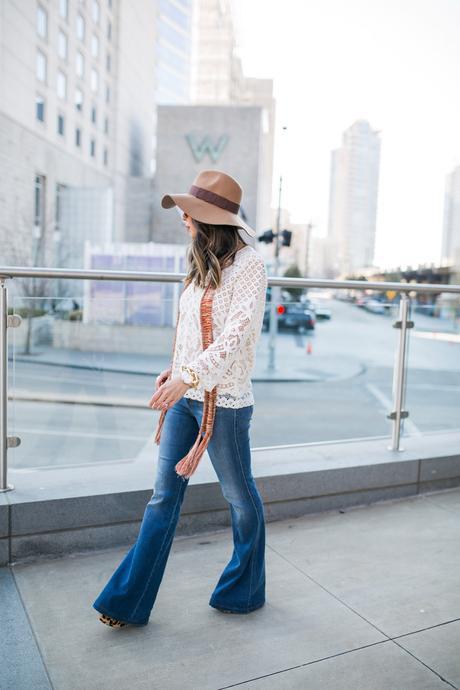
<point>199,149</point>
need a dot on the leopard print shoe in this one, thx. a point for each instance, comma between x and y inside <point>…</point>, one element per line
<point>112,622</point>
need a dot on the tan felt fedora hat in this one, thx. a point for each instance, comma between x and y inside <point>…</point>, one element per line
<point>214,197</point>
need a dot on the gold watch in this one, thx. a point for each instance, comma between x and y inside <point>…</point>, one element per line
<point>189,376</point>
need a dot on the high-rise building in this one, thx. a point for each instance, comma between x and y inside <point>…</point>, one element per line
<point>450,253</point>
<point>218,79</point>
<point>78,82</point>
<point>173,51</point>
<point>353,199</point>
<point>213,68</point>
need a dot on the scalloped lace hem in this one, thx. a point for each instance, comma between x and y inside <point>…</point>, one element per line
<point>223,399</point>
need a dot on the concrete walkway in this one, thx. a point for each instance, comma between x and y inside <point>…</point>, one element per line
<point>362,599</point>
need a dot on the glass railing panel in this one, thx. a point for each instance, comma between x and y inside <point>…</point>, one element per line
<point>82,369</point>
<point>334,354</point>
<point>433,379</point>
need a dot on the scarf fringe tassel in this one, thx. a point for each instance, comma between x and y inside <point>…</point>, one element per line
<point>187,466</point>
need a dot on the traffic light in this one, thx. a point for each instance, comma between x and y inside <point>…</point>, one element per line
<point>286,235</point>
<point>267,236</point>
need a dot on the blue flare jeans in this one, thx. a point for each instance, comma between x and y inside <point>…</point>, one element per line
<point>130,593</point>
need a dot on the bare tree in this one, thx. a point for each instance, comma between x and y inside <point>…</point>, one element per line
<point>35,249</point>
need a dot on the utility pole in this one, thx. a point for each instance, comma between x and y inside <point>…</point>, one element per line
<point>307,253</point>
<point>275,289</point>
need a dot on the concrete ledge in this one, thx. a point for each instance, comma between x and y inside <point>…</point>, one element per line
<point>4,516</point>
<point>56,511</point>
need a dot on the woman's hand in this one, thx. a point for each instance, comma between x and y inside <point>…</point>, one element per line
<point>168,393</point>
<point>162,377</point>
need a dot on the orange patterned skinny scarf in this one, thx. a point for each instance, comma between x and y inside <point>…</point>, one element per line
<point>187,466</point>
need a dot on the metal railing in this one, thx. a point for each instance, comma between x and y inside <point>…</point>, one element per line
<point>403,324</point>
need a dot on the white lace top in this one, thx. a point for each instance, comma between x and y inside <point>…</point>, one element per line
<point>237,315</point>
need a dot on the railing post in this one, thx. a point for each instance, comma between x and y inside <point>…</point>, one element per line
<point>3,388</point>
<point>5,440</point>
<point>399,373</point>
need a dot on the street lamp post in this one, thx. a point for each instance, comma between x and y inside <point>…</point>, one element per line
<point>307,253</point>
<point>276,290</point>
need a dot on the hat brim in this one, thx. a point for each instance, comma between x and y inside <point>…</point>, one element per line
<point>205,212</point>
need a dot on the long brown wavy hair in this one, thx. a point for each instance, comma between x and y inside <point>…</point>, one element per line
<point>212,249</point>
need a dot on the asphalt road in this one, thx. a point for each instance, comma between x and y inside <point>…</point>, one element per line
<point>111,420</point>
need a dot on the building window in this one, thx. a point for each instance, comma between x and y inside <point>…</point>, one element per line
<point>79,64</point>
<point>106,157</point>
<point>78,137</point>
<point>40,108</point>
<point>42,21</point>
<point>106,125</point>
<point>94,115</point>
<point>61,85</point>
<point>62,45</point>
<point>60,124</point>
<point>80,27</point>
<point>94,46</point>
<point>96,12</point>
<point>94,80</point>
<point>64,8</point>
<point>109,30</point>
<point>92,148</point>
<point>79,99</point>
<point>108,62</point>
<point>41,66</point>
<point>107,94</point>
<point>39,204</point>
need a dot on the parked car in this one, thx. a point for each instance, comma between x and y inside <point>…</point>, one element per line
<point>294,316</point>
<point>375,306</point>
<point>426,309</point>
<point>321,313</point>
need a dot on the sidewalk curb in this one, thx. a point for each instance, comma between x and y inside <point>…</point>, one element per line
<point>257,379</point>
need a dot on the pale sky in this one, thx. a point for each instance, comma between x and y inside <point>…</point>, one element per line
<point>395,63</point>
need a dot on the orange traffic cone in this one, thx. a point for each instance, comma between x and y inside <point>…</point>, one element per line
<point>309,348</point>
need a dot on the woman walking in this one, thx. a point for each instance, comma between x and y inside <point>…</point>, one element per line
<point>206,401</point>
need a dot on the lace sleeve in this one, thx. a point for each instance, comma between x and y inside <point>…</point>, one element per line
<point>247,305</point>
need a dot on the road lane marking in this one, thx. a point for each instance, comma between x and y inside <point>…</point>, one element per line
<point>438,335</point>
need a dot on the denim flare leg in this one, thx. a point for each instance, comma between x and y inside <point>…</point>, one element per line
<point>130,593</point>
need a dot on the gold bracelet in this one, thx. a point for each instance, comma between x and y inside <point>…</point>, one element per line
<point>193,374</point>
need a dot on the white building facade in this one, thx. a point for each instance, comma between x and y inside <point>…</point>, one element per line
<point>77,123</point>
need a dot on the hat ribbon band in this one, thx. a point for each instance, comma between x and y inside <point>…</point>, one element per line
<point>213,198</point>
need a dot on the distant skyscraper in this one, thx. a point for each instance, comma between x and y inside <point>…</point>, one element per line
<point>353,199</point>
<point>213,70</point>
<point>173,51</point>
<point>451,230</point>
